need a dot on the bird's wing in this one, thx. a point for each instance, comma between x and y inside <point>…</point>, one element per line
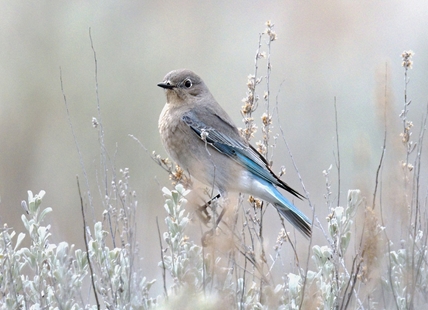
<point>225,138</point>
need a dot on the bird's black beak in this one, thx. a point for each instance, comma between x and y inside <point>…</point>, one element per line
<point>166,85</point>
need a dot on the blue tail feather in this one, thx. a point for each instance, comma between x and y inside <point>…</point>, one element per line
<point>289,211</point>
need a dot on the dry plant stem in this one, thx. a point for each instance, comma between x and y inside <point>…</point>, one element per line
<point>407,143</point>
<point>388,242</point>
<point>85,238</point>
<point>291,243</point>
<point>243,242</point>
<point>255,267</point>
<point>256,67</point>
<point>418,162</point>
<point>266,132</point>
<point>416,176</point>
<point>82,165</point>
<point>139,142</point>
<point>265,140</point>
<point>243,250</point>
<point>376,186</point>
<point>263,254</point>
<point>404,118</point>
<point>249,256</point>
<point>307,196</point>
<point>165,165</point>
<point>337,257</point>
<point>297,170</point>
<point>378,170</point>
<point>103,150</point>
<point>338,153</point>
<point>328,194</point>
<point>342,262</point>
<point>384,137</point>
<point>163,261</point>
<point>307,262</point>
<point>266,125</point>
<point>101,131</point>
<point>353,286</point>
<point>353,279</point>
<point>409,149</point>
<point>146,150</point>
<point>416,223</point>
<point>204,266</point>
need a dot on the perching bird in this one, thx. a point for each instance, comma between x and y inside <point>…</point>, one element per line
<point>202,139</point>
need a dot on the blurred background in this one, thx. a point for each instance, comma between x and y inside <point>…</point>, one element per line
<point>346,50</point>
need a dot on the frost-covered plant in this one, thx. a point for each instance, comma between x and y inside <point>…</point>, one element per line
<point>400,271</point>
<point>407,267</point>
<point>331,278</point>
<point>113,252</point>
<point>119,287</point>
<point>46,275</point>
<point>43,275</point>
<point>196,279</point>
<point>116,277</point>
<point>184,260</point>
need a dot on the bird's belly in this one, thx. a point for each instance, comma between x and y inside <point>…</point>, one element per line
<point>207,165</point>
<point>250,184</point>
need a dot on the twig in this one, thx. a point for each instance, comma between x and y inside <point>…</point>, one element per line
<point>267,121</point>
<point>384,136</point>
<point>163,261</point>
<point>256,66</point>
<point>307,262</point>
<point>103,150</point>
<point>416,225</point>
<point>388,242</point>
<point>100,123</point>
<point>297,169</point>
<point>85,238</point>
<point>378,170</point>
<point>82,165</point>
<point>338,153</point>
<point>352,279</point>
<point>293,247</point>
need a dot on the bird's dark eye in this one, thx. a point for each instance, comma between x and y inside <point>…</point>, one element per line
<point>188,83</point>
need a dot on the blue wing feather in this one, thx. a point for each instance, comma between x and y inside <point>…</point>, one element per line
<point>236,148</point>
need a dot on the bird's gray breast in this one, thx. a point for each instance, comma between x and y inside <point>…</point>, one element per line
<point>179,141</point>
<point>195,155</point>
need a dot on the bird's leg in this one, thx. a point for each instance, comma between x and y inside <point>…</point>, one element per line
<point>206,237</point>
<point>202,211</point>
<point>220,217</point>
<point>206,217</point>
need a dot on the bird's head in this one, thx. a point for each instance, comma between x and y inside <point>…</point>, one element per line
<point>183,86</point>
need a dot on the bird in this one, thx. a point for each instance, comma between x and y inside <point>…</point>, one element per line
<point>202,139</point>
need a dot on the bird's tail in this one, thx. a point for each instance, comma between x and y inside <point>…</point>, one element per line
<point>267,191</point>
<point>297,218</point>
<point>292,214</point>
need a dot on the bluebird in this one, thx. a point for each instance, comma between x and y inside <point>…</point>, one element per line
<point>203,140</point>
